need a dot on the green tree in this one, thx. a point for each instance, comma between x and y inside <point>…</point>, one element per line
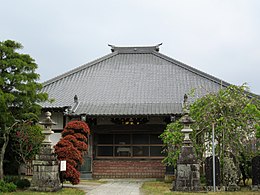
<point>26,141</point>
<point>235,115</point>
<point>19,91</point>
<point>172,138</point>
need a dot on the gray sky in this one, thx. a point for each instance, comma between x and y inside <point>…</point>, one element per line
<point>219,37</point>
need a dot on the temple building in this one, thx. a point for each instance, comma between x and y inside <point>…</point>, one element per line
<point>127,97</point>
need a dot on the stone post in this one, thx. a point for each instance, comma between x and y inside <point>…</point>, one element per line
<point>209,173</point>
<point>256,173</point>
<point>46,166</point>
<point>187,174</point>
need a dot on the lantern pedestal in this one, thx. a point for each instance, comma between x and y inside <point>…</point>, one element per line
<point>46,166</point>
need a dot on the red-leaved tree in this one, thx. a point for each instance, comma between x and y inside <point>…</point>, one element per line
<point>72,147</point>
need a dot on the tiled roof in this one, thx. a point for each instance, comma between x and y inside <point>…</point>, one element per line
<point>129,108</point>
<point>130,81</point>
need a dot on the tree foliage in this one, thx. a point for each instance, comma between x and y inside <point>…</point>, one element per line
<point>19,91</point>
<point>172,138</point>
<point>235,115</point>
<point>26,141</point>
<point>72,147</point>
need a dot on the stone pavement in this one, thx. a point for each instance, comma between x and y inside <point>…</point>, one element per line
<point>87,187</point>
<point>111,187</point>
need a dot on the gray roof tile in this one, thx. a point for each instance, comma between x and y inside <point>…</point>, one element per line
<point>130,81</point>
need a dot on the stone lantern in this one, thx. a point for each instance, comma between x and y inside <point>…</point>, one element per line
<point>186,120</point>
<point>187,174</point>
<point>46,166</point>
<point>47,131</point>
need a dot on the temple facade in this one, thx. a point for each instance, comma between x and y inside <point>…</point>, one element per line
<point>127,97</point>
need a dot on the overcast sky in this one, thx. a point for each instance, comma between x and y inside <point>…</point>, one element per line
<point>219,37</point>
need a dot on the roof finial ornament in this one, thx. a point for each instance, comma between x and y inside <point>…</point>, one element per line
<point>157,46</point>
<point>185,104</point>
<point>112,47</point>
<point>76,99</point>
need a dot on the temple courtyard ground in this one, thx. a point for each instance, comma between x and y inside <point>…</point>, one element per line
<point>111,186</point>
<point>125,187</point>
<point>142,187</point>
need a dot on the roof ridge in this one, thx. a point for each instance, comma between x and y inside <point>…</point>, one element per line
<point>135,49</point>
<point>194,70</point>
<point>77,69</point>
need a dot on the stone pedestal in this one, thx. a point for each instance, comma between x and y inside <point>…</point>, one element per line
<point>46,166</point>
<point>187,175</point>
<point>46,171</point>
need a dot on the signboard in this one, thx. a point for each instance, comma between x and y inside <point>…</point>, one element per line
<point>63,165</point>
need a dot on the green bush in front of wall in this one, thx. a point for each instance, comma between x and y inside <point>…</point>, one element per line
<point>23,183</point>
<point>15,179</point>
<point>7,187</point>
<point>11,178</point>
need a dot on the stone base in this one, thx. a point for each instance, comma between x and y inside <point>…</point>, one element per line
<point>168,178</point>
<point>45,188</point>
<point>187,174</point>
<point>188,178</point>
<point>45,172</point>
<point>45,177</point>
<point>255,187</point>
<point>232,187</point>
<point>211,189</point>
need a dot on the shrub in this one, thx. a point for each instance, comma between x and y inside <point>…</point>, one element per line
<point>71,148</point>
<point>230,172</point>
<point>69,152</point>
<point>72,174</point>
<point>20,183</point>
<point>23,183</point>
<point>7,187</point>
<point>11,178</point>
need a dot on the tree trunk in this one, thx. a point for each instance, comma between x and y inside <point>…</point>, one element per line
<point>2,155</point>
